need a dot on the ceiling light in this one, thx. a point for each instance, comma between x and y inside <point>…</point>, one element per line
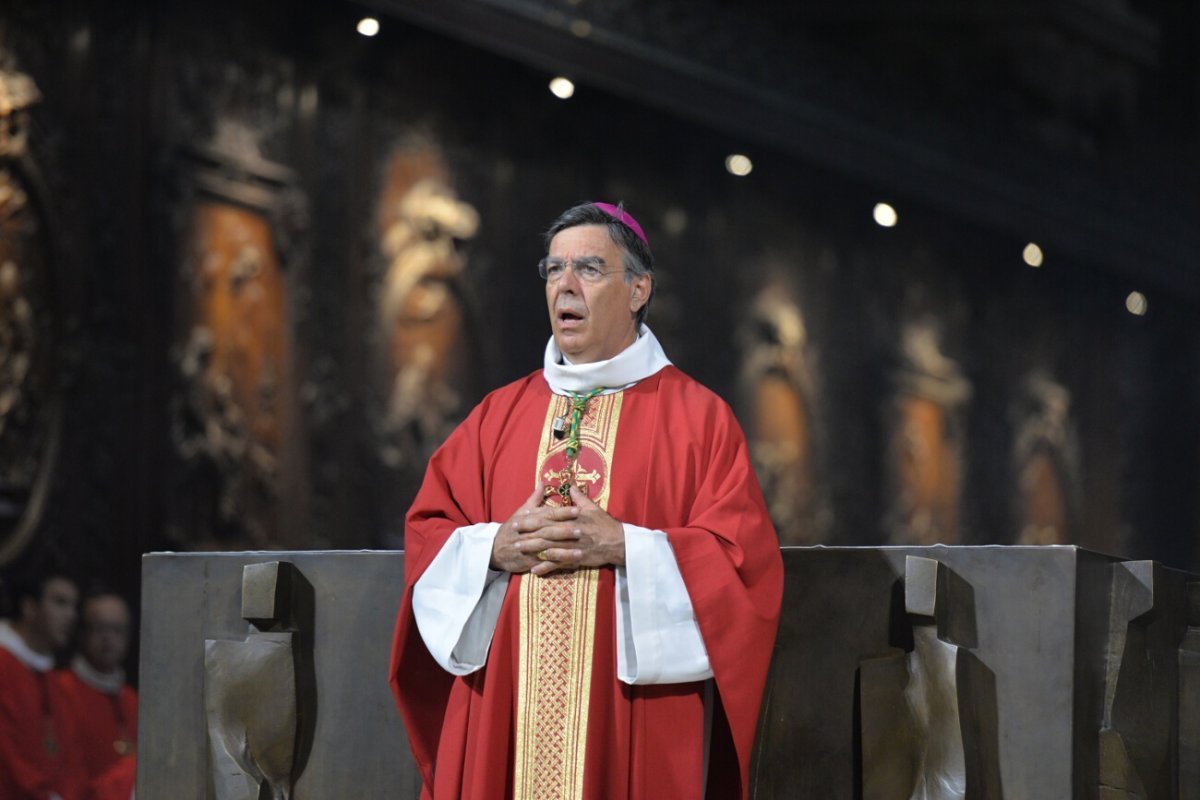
<point>562,88</point>
<point>1033,255</point>
<point>885,215</point>
<point>739,165</point>
<point>368,26</point>
<point>1136,304</point>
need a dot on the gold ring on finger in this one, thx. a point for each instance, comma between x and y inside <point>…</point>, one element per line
<point>541,555</point>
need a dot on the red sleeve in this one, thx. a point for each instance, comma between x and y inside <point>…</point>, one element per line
<point>728,554</point>
<point>451,497</point>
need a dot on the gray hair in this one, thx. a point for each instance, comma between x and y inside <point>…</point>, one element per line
<point>635,254</point>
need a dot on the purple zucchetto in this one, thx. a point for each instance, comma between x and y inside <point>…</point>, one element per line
<point>621,215</point>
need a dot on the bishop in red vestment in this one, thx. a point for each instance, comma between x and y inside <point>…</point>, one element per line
<point>609,634</point>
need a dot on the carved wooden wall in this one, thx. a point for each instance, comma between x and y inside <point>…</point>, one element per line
<point>235,405</point>
<point>426,332</point>
<point>263,265</point>
<point>30,319</point>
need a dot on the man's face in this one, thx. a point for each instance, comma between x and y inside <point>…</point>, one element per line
<point>54,615</point>
<point>105,637</point>
<point>593,321</point>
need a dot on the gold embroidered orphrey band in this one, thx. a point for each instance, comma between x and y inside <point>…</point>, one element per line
<point>558,615</point>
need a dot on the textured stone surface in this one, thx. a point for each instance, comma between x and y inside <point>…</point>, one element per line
<point>1033,628</point>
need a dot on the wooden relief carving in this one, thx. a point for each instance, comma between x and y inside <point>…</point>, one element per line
<point>429,351</point>
<point>29,407</point>
<point>1044,455</point>
<point>776,391</point>
<point>925,448</point>
<point>233,408</point>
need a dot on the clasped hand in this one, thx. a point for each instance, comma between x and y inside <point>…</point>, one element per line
<point>541,539</point>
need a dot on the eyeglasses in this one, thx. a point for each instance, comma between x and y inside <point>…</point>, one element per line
<point>587,270</point>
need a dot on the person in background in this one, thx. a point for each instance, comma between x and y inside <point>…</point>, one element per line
<point>37,759</point>
<point>102,704</point>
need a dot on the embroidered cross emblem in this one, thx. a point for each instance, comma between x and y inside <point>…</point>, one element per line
<point>565,477</point>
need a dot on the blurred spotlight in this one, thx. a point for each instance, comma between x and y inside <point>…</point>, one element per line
<point>738,164</point>
<point>885,215</point>
<point>562,88</point>
<point>1033,255</point>
<point>1136,304</point>
<point>368,26</point>
<point>675,221</point>
<point>581,28</point>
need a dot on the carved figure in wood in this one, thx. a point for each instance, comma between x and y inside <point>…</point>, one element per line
<point>925,448</point>
<point>1045,456</point>
<point>423,317</point>
<point>212,435</point>
<point>777,394</point>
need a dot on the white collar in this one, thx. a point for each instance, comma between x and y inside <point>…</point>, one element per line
<point>104,682</point>
<point>11,641</point>
<point>640,360</point>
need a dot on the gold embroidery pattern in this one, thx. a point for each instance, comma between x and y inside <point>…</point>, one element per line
<point>557,623</point>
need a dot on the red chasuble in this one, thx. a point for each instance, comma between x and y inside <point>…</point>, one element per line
<point>105,725</point>
<point>36,757</point>
<point>547,716</point>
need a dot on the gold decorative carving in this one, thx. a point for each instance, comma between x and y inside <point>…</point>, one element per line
<point>776,389</point>
<point>29,407</point>
<point>17,329</point>
<point>1044,460</point>
<point>925,448</point>
<point>18,93</point>
<point>427,353</point>
<point>420,310</point>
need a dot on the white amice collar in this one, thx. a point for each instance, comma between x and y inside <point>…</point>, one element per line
<point>103,682</point>
<point>640,360</point>
<point>11,641</point>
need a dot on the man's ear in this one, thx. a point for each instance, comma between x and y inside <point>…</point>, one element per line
<point>641,292</point>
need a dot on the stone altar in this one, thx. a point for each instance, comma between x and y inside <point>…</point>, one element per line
<point>1061,673</point>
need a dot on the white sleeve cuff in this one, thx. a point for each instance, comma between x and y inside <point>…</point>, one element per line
<point>658,638</point>
<point>457,600</point>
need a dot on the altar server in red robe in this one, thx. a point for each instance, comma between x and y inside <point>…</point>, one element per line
<point>37,761</point>
<point>592,579</point>
<point>102,704</point>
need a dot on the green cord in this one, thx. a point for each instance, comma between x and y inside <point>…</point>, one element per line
<point>578,409</point>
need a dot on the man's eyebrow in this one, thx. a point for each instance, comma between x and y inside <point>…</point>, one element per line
<point>591,260</point>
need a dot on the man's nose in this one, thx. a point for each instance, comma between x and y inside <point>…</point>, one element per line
<point>569,280</point>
